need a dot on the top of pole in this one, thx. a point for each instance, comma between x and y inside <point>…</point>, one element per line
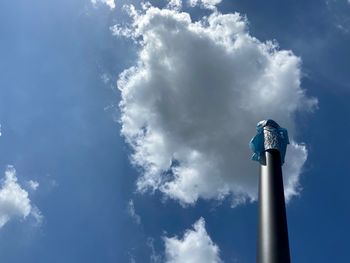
<point>270,136</point>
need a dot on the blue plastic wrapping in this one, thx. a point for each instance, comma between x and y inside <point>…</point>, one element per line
<point>269,136</point>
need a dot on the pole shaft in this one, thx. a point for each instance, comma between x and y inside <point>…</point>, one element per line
<point>273,245</point>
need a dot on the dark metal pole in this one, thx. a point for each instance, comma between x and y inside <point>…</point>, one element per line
<point>273,245</point>
<point>270,146</point>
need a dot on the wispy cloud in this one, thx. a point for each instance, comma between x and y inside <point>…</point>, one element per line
<point>110,3</point>
<point>191,102</point>
<point>154,257</point>
<point>132,212</point>
<point>208,4</point>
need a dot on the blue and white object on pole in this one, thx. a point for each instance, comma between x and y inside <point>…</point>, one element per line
<point>269,136</point>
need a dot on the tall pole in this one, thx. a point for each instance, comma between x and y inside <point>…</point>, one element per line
<point>269,146</point>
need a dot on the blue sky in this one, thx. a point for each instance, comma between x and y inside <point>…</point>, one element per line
<point>67,149</point>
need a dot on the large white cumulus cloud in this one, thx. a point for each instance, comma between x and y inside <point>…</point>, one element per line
<point>195,246</point>
<point>190,105</point>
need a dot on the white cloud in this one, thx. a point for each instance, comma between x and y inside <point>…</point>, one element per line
<point>14,200</point>
<point>37,215</point>
<point>154,257</point>
<point>208,4</point>
<point>132,212</point>
<point>110,3</point>
<point>175,4</point>
<point>190,104</point>
<point>195,246</point>
<point>33,185</point>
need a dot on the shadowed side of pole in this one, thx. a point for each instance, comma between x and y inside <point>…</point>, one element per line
<point>273,244</point>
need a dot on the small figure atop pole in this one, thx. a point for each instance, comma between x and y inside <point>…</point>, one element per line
<point>269,147</point>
